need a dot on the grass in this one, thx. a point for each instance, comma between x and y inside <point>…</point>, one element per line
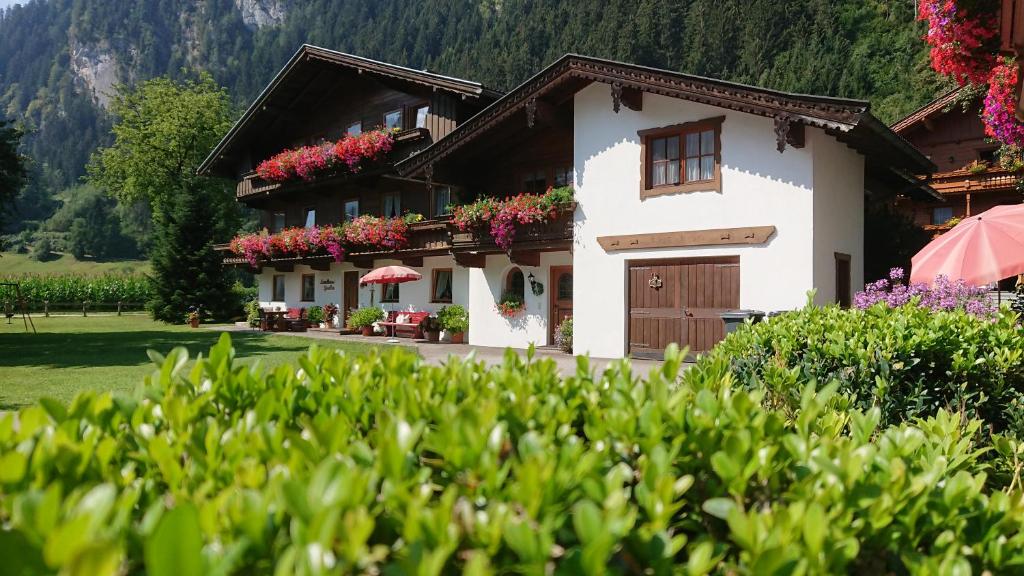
<point>12,263</point>
<point>71,353</point>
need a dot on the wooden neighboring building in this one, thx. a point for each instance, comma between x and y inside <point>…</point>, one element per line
<point>969,177</point>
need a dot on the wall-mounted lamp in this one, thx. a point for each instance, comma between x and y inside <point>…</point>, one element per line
<point>536,287</point>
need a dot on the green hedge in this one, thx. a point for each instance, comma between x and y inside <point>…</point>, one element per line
<point>381,464</point>
<point>908,361</point>
<point>74,288</point>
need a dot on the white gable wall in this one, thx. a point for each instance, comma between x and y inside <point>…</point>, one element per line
<point>838,213</point>
<point>760,187</point>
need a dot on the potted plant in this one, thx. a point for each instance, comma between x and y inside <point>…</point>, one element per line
<point>364,319</point>
<point>510,305</point>
<point>315,316</point>
<point>330,316</point>
<point>454,321</point>
<point>563,335</point>
<point>431,328</point>
<point>193,316</point>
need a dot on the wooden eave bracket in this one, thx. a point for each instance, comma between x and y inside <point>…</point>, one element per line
<point>413,261</point>
<point>788,131</point>
<point>631,98</point>
<point>468,260</point>
<point>525,257</point>
<point>686,239</point>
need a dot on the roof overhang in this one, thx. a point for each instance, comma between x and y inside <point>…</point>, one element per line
<point>848,120</point>
<point>307,56</point>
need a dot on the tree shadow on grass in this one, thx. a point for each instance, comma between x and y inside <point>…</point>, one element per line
<point>98,349</point>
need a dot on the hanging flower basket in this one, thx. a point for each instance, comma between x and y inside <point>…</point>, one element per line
<point>510,306</point>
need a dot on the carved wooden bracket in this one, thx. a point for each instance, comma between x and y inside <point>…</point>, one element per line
<point>282,267</point>
<point>321,265</point>
<point>787,131</point>
<point>362,263</point>
<point>428,175</point>
<point>413,262</point>
<point>616,96</point>
<point>629,97</point>
<point>525,257</point>
<point>468,260</point>
<point>531,111</point>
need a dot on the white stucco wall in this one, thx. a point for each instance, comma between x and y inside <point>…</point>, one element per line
<point>838,213</point>
<point>760,187</point>
<point>489,328</point>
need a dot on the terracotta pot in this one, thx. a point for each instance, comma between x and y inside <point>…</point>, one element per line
<point>194,322</point>
<point>457,338</point>
<point>366,330</point>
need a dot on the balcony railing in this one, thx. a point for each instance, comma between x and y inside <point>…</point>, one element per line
<point>962,181</point>
<point>251,184</point>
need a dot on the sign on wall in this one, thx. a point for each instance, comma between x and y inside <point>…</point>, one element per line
<point>327,285</point>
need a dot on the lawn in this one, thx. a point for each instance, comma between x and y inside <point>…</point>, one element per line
<point>12,263</point>
<point>72,353</point>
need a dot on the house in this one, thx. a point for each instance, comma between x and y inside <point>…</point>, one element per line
<point>692,196</point>
<point>970,178</point>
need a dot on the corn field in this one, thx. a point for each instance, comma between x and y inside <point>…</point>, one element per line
<point>66,289</point>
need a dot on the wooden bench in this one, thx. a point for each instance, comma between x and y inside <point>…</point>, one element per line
<point>410,324</point>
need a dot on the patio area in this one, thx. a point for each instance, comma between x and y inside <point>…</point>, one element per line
<point>438,352</point>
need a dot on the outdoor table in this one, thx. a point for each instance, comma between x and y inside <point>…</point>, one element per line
<point>272,316</point>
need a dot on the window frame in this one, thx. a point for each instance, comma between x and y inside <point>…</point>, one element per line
<point>273,221</point>
<point>440,211</point>
<point>647,190</point>
<point>274,296</point>
<point>935,210</point>
<point>302,288</point>
<point>384,299</point>
<point>305,216</point>
<point>348,129</point>
<point>401,119</point>
<point>433,285</point>
<point>383,204</point>
<point>508,281</point>
<point>344,209</point>
<point>416,115</point>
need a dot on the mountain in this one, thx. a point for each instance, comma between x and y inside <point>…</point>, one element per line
<point>59,58</point>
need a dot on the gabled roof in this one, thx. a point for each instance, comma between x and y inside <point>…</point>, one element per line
<point>850,121</point>
<point>937,106</point>
<point>297,72</point>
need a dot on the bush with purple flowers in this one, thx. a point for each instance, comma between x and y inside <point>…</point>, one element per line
<point>944,294</point>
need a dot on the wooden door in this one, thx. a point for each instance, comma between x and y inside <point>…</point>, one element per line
<point>560,287</point>
<point>350,297</point>
<point>679,301</point>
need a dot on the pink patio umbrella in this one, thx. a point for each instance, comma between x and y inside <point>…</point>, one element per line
<point>979,250</point>
<point>389,275</point>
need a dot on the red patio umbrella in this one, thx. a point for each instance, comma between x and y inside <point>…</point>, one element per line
<point>979,250</point>
<point>390,275</point>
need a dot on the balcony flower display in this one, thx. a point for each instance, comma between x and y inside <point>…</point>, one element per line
<point>962,36</point>
<point>502,216</point>
<point>344,156</point>
<point>363,233</point>
<point>1000,103</point>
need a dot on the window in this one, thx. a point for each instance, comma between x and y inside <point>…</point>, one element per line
<point>563,176</point>
<point>354,129</point>
<point>310,217</point>
<point>843,279</point>
<point>421,116</point>
<point>535,182</point>
<point>392,205</point>
<point>351,209</point>
<point>278,288</point>
<point>308,287</point>
<point>441,285</point>
<point>389,293</point>
<point>681,158</point>
<point>942,214</point>
<point>277,222</point>
<point>442,198</point>
<point>565,286</point>
<point>990,156</point>
<point>393,120</point>
<point>515,284</point>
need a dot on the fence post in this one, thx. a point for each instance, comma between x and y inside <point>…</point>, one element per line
<point>46,308</point>
<point>118,307</point>
<point>85,306</point>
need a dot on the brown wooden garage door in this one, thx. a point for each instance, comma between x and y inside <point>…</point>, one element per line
<point>680,301</point>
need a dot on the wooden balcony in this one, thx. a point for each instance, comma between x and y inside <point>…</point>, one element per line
<point>251,184</point>
<point>548,234</point>
<point>964,182</point>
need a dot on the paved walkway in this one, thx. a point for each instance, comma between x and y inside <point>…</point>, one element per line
<point>438,352</point>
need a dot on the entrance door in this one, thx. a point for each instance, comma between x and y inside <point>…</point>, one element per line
<point>350,298</point>
<point>560,298</point>
<point>680,301</point>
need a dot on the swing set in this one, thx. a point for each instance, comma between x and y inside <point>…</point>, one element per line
<point>26,316</point>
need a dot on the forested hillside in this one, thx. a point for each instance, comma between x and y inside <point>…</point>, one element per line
<point>59,58</point>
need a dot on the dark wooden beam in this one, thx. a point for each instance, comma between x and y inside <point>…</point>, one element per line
<point>413,262</point>
<point>363,263</point>
<point>632,98</point>
<point>540,113</point>
<point>688,238</point>
<point>525,257</point>
<point>468,260</point>
<point>282,267</point>
<point>321,265</point>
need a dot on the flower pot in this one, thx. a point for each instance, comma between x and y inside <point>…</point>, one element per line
<point>194,322</point>
<point>457,338</point>
<point>366,330</point>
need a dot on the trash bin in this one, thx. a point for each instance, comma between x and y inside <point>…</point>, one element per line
<point>735,318</point>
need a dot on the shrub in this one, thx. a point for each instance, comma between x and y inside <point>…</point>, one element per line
<point>908,361</point>
<point>252,312</point>
<point>563,335</point>
<point>364,317</point>
<point>453,319</point>
<point>381,464</point>
<point>42,250</point>
<point>315,314</point>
